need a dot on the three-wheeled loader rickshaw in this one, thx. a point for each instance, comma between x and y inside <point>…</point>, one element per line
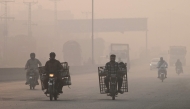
<point>102,73</point>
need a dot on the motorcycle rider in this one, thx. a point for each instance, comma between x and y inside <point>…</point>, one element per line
<point>179,65</point>
<point>32,63</point>
<point>53,66</point>
<point>162,64</point>
<point>113,67</point>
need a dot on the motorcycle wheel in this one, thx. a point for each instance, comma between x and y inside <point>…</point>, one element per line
<point>55,97</point>
<point>113,97</point>
<point>162,76</point>
<point>51,94</point>
<point>178,72</point>
<point>30,87</point>
<point>51,97</point>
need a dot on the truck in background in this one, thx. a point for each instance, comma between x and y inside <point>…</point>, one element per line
<point>121,51</point>
<point>72,53</point>
<point>177,52</point>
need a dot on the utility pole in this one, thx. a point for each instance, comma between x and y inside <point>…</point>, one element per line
<point>30,3</point>
<point>55,15</point>
<point>146,42</point>
<point>92,31</point>
<point>5,18</point>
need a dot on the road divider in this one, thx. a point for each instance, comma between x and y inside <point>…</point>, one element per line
<point>19,74</point>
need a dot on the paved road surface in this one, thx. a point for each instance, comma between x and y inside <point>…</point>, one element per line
<point>145,92</point>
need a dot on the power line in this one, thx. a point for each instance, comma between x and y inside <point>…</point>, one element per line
<point>30,3</point>
<point>5,17</point>
<point>55,15</point>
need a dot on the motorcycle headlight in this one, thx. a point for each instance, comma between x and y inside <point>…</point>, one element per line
<point>51,75</point>
<point>150,64</point>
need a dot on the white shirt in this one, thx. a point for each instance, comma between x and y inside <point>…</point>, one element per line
<point>33,64</point>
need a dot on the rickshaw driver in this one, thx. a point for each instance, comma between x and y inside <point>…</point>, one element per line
<point>113,67</point>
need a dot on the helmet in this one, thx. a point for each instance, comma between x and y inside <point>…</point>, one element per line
<point>52,54</point>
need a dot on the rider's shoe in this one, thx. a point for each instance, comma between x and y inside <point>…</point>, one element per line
<point>46,92</point>
<point>60,91</point>
<point>37,83</point>
<point>26,83</point>
<point>120,91</point>
<point>107,91</point>
<point>165,77</point>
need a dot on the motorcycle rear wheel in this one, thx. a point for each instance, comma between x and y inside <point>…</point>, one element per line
<point>51,93</point>
<point>162,76</point>
<point>55,97</point>
<point>113,97</point>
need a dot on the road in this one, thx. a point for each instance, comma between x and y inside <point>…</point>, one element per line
<point>146,91</point>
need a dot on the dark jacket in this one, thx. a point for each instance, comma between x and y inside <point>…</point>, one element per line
<point>53,66</point>
<point>112,67</point>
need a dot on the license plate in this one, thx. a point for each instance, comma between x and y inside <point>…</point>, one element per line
<point>50,84</point>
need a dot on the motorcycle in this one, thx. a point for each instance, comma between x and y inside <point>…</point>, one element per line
<point>32,79</point>
<point>113,86</point>
<point>113,92</point>
<point>162,74</point>
<point>53,83</point>
<point>178,70</point>
<point>53,93</point>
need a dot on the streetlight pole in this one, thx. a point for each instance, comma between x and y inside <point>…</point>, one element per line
<point>92,31</point>
<point>146,42</point>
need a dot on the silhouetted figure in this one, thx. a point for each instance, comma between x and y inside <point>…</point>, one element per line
<point>179,65</point>
<point>32,63</point>
<point>53,66</point>
<point>162,65</point>
<point>113,68</point>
